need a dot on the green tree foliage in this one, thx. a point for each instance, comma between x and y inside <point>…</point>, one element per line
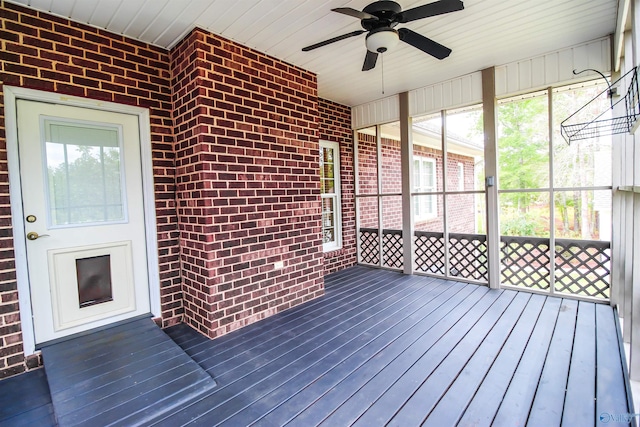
<point>523,146</point>
<point>583,163</point>
<point>523,159</point>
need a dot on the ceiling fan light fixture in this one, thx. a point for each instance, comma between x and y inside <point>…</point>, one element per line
<point>382,39</point>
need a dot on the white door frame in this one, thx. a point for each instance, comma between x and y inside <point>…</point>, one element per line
<point>11,95</point>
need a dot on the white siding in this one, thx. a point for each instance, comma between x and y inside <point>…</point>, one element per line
<point>377,112</point>
<point>554,68</point>
<point>540,72</point>
<point>458,92</point>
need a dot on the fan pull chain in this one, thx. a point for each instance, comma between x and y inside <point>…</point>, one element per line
<point>382,68</point>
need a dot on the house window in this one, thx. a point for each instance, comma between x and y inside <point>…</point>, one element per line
<point>460,177</point>
<point>330,190</point>
<point>424,179</point>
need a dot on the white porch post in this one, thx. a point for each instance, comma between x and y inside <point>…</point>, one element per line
<point>491,173</point>
<point>406,153</point>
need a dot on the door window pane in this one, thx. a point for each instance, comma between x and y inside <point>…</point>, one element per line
<point>84,173</point>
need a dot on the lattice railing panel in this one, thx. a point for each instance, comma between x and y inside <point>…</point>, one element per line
<point>428,248</point>
<point>468,256</point>
<point>583,267</point>
<point>525,262</point>
<point>369,246</point>
<point>392,248</point>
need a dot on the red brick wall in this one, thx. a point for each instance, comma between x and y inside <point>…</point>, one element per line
<point>335,126</point>
<point>247,183</point>
<point>461,217</point>
<point>246,139</point>
<point>48,53</point>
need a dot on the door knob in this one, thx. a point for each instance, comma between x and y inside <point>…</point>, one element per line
<point>32,235</point>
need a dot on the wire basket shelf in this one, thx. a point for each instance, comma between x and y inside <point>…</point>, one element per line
<point>625,113</point>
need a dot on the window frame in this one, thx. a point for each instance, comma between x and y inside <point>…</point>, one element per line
<point>418,213</point>
<point>336,196</point>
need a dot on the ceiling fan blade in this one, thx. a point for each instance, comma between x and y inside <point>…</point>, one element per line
<point>333,40</point>
<point>431,9</point>
<point>355,13</point>
<point>424,44</point>
<point>369,61</point>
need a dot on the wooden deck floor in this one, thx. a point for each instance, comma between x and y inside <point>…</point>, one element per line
<point>129,374</point>
<point>386,349</point>
<point>25,401</point>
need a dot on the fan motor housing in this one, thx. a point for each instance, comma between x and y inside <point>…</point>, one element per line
<point>386,12</point>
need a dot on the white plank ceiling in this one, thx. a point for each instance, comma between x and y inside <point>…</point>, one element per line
<point>485,33</point>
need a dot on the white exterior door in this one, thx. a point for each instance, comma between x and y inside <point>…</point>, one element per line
<point>81,185</point>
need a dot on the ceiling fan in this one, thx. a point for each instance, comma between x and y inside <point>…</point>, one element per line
<point>379,19</point>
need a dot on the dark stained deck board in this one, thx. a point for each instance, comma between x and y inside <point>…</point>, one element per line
<point>333,305</point>
<point>379,348</point>
<point>93,369</point>
<point>340,364</point>
<point>419,406</point>
<point>42,416</point>
<point>334,290</point>
<point>125,375</point>
<point>611,393</point>
<point>486,401</point>
<point>281,325</point>
<point>579,402</point>
<point>355,313</point>
<point>314,327</point>
<point>348,375</point>
<point>147,364</point>
<point>516,404</point>
<point>261,375</point>
<point>396,383</point>
<point>455,400</point>
<point>25,401</point>
<point>548,403</point>
<point>447,354</point>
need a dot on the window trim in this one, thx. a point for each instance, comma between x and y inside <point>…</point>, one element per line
<point>336,196</point>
